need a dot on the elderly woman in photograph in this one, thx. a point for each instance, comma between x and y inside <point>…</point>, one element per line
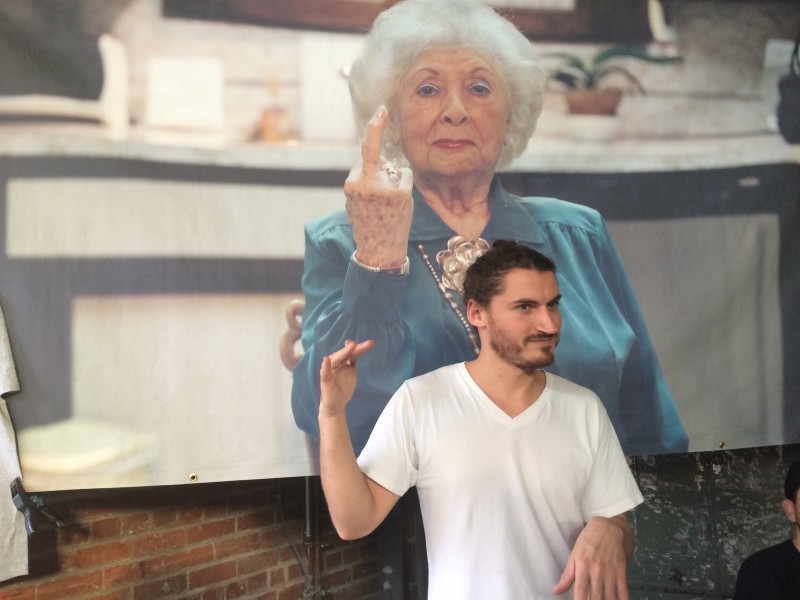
<point>445,92</point>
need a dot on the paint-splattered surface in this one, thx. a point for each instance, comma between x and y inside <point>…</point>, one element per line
<point>703,514</point>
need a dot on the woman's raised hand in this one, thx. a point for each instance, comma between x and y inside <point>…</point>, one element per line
<point>379,201</point>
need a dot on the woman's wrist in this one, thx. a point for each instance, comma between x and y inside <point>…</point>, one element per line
<point>391,269</point>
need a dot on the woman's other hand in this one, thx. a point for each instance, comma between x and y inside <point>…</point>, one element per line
<point>379,201</point>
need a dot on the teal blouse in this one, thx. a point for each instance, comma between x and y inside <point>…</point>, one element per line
<point>604,341</point>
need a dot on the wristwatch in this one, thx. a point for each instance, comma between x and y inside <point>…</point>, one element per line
<point>396,271</point>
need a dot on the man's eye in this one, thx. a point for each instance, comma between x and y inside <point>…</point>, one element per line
<point>426,90</point>
<point>553,305</point>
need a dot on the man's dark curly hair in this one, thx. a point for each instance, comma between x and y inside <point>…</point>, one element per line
<point>484,279</point>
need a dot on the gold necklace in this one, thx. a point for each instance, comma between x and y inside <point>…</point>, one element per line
<point>460,254</point>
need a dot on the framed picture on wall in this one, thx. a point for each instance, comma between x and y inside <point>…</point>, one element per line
<point>541,20</point>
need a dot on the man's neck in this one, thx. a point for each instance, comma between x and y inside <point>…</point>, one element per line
<point>509,387</point>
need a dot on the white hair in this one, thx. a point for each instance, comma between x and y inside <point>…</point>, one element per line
<point>404,31</point>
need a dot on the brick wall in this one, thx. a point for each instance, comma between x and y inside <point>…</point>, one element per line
<point>202,541</point>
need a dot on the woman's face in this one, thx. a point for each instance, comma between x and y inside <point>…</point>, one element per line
<point>452,114</point>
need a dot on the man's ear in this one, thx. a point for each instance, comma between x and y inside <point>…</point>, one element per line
<point>475,314</point>
<point>789,511</point>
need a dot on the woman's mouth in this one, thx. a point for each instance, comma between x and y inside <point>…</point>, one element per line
<point>451,143</point>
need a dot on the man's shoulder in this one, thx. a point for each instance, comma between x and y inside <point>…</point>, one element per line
<point>561,385</point>
<point>769,556</point>
<point>434,377</point>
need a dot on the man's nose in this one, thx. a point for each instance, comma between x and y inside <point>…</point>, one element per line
<point>548,320</point>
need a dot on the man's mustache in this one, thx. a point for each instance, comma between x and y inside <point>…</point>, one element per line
<point>542,337</point>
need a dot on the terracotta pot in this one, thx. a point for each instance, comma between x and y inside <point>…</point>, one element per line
<point>594,101</point>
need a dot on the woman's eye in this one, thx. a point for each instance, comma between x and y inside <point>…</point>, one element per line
<point>426,90</point>
<point>480,88</point>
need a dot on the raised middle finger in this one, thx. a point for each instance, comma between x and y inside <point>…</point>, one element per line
<point>371,146</point>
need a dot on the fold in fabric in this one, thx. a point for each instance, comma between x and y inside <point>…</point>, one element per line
<point>13,536</point>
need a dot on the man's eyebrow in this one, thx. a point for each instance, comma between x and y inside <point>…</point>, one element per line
<point>536,302</point>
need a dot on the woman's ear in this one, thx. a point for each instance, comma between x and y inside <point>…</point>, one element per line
<point>790,511</point>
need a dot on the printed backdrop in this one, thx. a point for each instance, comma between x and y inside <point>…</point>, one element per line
<point>146,271</point>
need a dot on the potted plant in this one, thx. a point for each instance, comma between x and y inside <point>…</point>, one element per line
<point>596,85</point>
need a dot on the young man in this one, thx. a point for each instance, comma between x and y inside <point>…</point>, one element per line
<point>522,482</point>
<point>774,572</point>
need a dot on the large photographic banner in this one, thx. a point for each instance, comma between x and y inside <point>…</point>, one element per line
<point>151,248</point>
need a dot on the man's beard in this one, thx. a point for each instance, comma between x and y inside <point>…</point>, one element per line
<point>511,352</point>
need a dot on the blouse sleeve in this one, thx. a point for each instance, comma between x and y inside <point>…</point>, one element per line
<point>344,301</point>
<point>652,423</point>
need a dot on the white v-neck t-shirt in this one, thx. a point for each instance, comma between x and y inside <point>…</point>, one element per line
<point>503,499</point>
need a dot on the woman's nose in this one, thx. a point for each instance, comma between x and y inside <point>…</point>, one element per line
<point>454,111</point>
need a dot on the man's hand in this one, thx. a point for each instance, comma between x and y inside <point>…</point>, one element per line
<point>598,560</point>
<point>337,377</point>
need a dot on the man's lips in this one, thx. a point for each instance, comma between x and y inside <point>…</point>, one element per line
<point>541,339</point>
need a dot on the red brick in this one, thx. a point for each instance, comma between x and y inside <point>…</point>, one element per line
<point>333,560</point>
<point>158,542</point>
<point>216,510</point>
<point>337,578</point>
<point>147,520</point>
<point>165,516</point>
<point>70,587</point>
<point>259,519</point>
<point>157,590</point>
<point>294,571</point>
<point>123,574</point>
<point>237,589</point>
<point>136,523</point>
<point>214,574</point>
<point>258,561</point>
<point>97,555</point>
<point>256,582</point>
<point>190,514</point>
<point>217,594</point>
<point>277,578</point>
<point>151,568</point>
<point>291,592</point>
<point>17,593</point>
<point>72,535</point>
<point>122,594</point>
<point>190,558</point>
<point>206,531</point>
<point>237,545</point>
<point>106,528</point>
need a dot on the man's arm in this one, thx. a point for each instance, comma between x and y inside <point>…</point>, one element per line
<point>356,503</point>
<point>598,560</point>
